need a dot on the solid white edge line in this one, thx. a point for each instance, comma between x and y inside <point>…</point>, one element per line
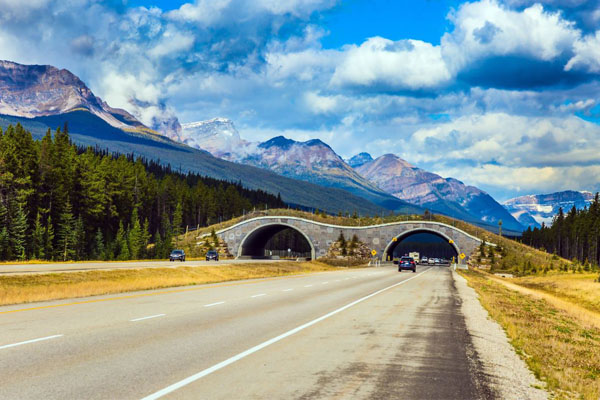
<point>148,317</point>
<point>287,290</point>
<point>6,346</point>
<point>259,295</point>
<point>214,304</point>
<point>231,360</point>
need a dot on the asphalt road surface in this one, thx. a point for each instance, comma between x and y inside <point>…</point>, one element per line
<point>22,269</point>
<point>358,334</point>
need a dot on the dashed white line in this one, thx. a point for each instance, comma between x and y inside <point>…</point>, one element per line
<point>214,304</point>
<point>324,283</point>
<point>252,350</point>
<point>6,346</point>
<point>259,295</point>
<point>287,290</point>
<point>307,285</point>
<point>148,317</point>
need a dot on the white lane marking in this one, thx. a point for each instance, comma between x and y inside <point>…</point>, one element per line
<point>287,290</point>
<point>337,280</point>
<point>325,283</point>
<point>307,285</point>
<point>346,279</point>
<point>148,317</point>
<point>214,304</point>
<point>259,295</point>
<point>252,350</point>
<point>6,346</point>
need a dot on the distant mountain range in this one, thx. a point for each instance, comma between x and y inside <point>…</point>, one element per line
<point>311,161</point>
<point>42,97</point>
<point>383,181</point>
<point>428,190</point>
<point>533,210</point>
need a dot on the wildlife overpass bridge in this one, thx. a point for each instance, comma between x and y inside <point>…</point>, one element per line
<point>249,238</point>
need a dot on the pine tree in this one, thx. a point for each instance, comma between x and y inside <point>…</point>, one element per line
<point>37,243</point>
<point>4,242</point>
<point>177,222</point>
<point>121,246</point>
<point>98,252</point>
<point>79,239</point>
<point>49,240</point>
<point>135,236</point>
<point>17,230</point>
<point>342,242</point>
<point>66,234</point>
<point>145,238</point>
<point>214,238</point>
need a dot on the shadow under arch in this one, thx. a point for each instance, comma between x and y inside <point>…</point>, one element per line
<point>253,244</point>
<point>391,246</point>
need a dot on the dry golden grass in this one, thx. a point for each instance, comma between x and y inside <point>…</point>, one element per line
<point>31,288</point>
<point>559,348</point>
<point>581,289</point>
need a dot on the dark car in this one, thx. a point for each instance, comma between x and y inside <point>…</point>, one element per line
<point>177,255</point>
<point>407,263</point>
<point>212,255</point>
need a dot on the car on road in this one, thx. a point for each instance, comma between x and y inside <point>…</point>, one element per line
<point>424,260</point>
<point>178,255</point>
<point>431,261</point>
<point>212,255</point>
<point>407,263</point>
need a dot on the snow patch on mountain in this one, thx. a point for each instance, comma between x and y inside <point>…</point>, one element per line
<point>541,208</point>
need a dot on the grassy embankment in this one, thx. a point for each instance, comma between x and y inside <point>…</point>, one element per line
<point>40,287</point>
<point>553,321</point>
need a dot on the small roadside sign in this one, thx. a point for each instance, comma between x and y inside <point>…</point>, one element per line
<point>395,239</point>
<point>462,256</point>
<point>451,241</point>
<point>373,252</point>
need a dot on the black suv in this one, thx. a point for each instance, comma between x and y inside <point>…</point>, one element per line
<point>212,255</point>
<point>177,255</point>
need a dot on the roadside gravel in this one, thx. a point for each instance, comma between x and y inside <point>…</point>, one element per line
<point>508,374</point>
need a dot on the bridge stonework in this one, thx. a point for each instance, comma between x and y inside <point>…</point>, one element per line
<point>320,236</point>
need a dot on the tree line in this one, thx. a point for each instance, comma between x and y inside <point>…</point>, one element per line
<point>63,202</point>
<point>574,235</point>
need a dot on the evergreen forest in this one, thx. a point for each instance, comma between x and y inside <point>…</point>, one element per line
<point>574,235</point>
<point>61,202</point>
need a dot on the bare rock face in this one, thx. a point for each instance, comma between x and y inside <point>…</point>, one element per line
<point>446,195</point>
<point>312,161</point>
<point>42,90</point>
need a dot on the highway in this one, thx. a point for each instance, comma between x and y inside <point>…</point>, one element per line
<point>43,268</point>
<point>368,333</point>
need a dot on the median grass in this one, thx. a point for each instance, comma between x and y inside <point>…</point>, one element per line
<point>16,289</point>
<point>560,346</point>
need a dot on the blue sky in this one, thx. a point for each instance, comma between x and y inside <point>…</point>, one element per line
<point>501,94</point>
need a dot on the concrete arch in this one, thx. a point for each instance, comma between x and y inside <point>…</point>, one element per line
<point>256,230</point>
<point>391,244</point>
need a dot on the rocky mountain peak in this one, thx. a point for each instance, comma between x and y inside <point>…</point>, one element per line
<point>359,159</point>
<point>43,90</point>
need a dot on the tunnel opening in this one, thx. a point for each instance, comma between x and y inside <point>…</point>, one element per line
<point>427,243</point>
<point>277,242</point>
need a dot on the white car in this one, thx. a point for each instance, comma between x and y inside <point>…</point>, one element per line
<point>423,260</point>
<point>431,261</point>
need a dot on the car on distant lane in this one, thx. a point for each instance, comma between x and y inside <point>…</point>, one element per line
<point>407,263</point>
<point>212,255</point>
<point>178,255</point>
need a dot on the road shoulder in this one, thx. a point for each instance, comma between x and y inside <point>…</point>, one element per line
<point>508,374</point>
